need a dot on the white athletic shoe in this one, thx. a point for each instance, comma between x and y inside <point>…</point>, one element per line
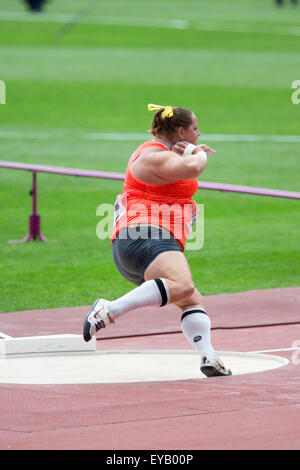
<point>213,368</point>
<point>97,318</point>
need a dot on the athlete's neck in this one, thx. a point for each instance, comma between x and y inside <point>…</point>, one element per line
<point>164,142</point>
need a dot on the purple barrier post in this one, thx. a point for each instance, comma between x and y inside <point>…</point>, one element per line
<point>34,218</point>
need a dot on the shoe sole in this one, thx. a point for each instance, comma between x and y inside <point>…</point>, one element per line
<point>211,371</point>
<point>87,325</point>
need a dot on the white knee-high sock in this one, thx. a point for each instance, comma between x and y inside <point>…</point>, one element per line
<point>196,325</point>
<point>151,293</point>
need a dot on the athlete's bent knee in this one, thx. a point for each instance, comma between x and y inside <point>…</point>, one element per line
<point>185,290</point>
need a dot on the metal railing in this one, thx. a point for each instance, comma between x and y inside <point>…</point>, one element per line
<point>35,220</point>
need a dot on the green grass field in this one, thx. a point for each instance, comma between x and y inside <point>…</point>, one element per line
<point>231,62</point>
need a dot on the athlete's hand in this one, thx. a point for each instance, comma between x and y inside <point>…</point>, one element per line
<point>207,150</point>
<point>179,147</point>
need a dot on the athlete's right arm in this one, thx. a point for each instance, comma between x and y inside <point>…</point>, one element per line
<point>156,166</point>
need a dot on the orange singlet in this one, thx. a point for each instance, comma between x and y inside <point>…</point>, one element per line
<point>168,205</point>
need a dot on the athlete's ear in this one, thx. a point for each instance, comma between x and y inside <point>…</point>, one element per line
<point>180,133</point>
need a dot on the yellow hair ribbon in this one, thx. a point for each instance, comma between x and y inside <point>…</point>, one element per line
<point>167,110</point>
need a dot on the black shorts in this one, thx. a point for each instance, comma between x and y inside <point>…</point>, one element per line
<point>134,249</point>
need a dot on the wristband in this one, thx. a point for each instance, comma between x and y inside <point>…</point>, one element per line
<point>201,153</point>
<point>188,149</point>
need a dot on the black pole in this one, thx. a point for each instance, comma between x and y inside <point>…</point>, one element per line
<point>35,5</point>
<point>74,21</point>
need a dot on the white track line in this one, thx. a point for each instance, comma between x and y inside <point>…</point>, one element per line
<point>4,336</point>
<point>115,136</point>
<point>11,135</point>
<point>250,28</point>
<point>166,23</point>
<point>211,137</point>
<point>274,350</point>
<point>110,136</point>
